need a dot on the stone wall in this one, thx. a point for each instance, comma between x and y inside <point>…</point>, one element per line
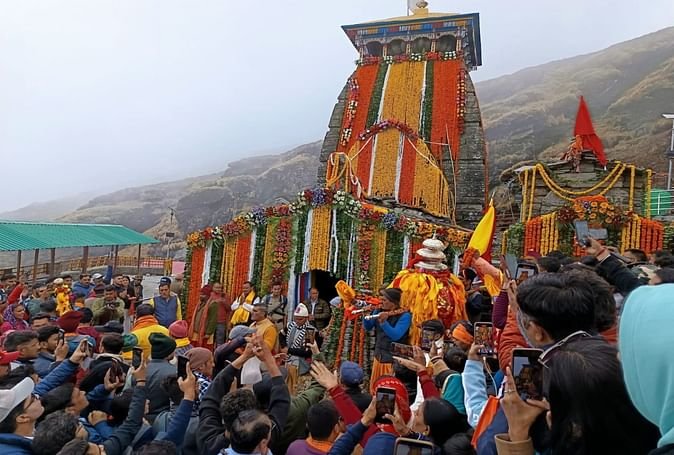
<point>332,136</point>
<point>472,165</point>
<point>591,173</point>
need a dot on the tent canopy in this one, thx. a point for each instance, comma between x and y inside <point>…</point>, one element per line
<point>27,235</point>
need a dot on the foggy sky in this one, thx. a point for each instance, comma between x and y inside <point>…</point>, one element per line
<point>97,95</point>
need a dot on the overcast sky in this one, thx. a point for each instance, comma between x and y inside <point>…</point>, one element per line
<point>97,95</point>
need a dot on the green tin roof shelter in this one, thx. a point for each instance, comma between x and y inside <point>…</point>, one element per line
<point>28,235</point>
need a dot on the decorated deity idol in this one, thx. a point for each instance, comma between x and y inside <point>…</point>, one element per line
<point>430,290</point>
<point>62,293</point>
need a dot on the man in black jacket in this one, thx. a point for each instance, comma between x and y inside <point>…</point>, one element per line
<point>211,438</point>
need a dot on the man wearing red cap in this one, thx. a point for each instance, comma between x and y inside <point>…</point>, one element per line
<point>69,323</point>
<point>6,358</point>
<point>178,331</point>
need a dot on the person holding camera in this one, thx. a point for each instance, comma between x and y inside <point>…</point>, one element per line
<point>109,307</point>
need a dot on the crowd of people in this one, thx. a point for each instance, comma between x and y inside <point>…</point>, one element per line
<point>570,358</point>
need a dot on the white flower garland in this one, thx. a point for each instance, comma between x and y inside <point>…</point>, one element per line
<point>207,263</point>
<point>251,262</point>
<point>307,241</point>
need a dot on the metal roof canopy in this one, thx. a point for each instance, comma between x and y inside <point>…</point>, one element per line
<point>28,235</point>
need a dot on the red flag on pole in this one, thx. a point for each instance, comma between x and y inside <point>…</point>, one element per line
<point>585,130</point>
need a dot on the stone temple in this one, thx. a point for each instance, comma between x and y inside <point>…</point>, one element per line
<point>406,131</point>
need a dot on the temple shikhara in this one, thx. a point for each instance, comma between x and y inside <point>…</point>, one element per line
<point>404,160</point>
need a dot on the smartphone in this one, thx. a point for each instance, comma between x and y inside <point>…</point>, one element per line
<point>511,265</point>
<point>483,334</point>
<point>402,350</point>
<point>182,366</point>
<point>528,373</point>
<point>524,271</point>
<point>427,340</point>
<point>62,336</point>
<point>116,371</point>
<point>85,346</point>
<point>310,336</point>
<point>582,232</point>
<point>405,446</point>
<point>386,402</point>
<point>137,359</point>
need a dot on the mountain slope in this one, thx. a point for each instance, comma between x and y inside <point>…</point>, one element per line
<point>46,211</point>
<point>530,114</point>
<point>205,200</point>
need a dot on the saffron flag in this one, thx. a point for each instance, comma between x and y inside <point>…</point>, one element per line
<point>483,234</point>
<point>585,129</point>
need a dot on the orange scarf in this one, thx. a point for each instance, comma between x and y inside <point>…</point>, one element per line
<point>144,321</point>
<point>323,446</point>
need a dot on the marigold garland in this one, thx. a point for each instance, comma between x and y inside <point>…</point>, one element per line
<point>426,122</point>
<point>320,239</point>
<point>532,193</point>
<point>187,277</point>
<point>196,271</point>
<point>647,203</point>
<point>357,326</point>
<point>377,261</point>
<point>282,251</point>
<point>402,101</point>
<point>633,170</point>
<point>365,236</point>
<point>268,256</point>
<point>431,189</point>
<point>610,180</point>
<point>241,264</point>
<point>447,107</point>
<point>361,348</point>
<point>228,263</point>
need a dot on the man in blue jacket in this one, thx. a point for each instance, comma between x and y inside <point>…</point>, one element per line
<point>84,286</point>
<point>166,305</point>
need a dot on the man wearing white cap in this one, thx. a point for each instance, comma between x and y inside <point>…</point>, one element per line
<point>297,349</point>
<point>19,410</point>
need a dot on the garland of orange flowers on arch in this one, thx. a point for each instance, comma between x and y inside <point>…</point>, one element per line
<point>196,271</point>
<point>241,264</point>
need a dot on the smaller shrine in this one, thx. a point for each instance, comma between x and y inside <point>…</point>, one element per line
<point>583,185</point>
